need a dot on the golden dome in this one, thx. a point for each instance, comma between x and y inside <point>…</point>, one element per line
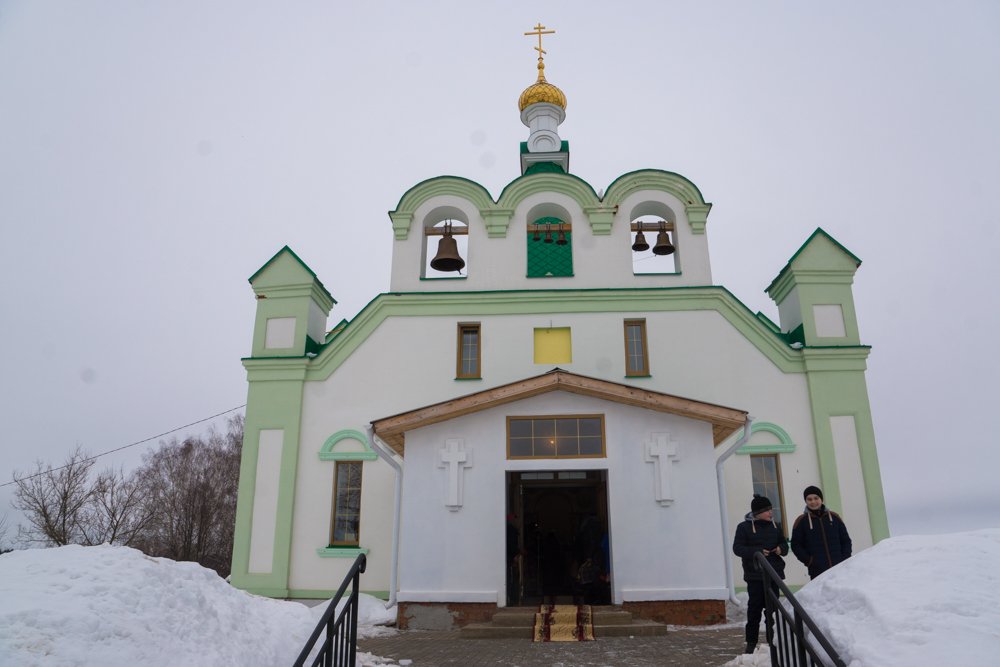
<point>541,92</point>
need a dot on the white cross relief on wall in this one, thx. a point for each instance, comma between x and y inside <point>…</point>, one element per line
<point>661,451</point>
<point>455,458</point>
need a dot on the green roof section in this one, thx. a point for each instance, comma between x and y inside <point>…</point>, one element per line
<point>563,147</point>
<point>277,258</point>
<point>818,236</point>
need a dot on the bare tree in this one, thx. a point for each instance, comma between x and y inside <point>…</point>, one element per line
<point>4,526</point>
<point>54,500</point>
<point>117,512</point>
<point>192,488</point>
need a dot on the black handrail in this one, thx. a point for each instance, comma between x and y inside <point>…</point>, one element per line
<point>791,646</point>
<point>340,646</point>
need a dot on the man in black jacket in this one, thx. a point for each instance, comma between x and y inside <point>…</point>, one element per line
<point>819,536</point>
<point>759,533</point>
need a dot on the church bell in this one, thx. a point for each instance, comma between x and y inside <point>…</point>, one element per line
<point>447,257</point>
<point>663,246</point>
<point>640,242</point>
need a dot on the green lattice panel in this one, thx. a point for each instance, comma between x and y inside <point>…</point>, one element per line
<point>550,259</point>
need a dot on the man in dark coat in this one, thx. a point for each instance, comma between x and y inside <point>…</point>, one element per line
<point>819,536</point>
<point>759,533</point>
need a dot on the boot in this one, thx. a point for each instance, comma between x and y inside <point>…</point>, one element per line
<point>750,648</point>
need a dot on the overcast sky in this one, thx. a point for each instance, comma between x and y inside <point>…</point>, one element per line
<point>153,155</point>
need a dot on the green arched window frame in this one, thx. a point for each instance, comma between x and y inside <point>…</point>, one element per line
<point>328,452</point>
<point>784,445</point>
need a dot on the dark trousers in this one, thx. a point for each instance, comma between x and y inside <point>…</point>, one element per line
<point>755,608</point>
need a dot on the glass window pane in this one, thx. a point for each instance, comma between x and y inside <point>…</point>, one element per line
<point>520,447</point>
<point>590,426</point>
<point>545,446</point>
<point>545,428</point>
<point>591,446</point>
<point>566,427</point>
<point>520,428</point>
<point>567,446</point>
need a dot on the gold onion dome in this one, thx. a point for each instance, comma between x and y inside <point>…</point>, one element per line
<point>541,92</point>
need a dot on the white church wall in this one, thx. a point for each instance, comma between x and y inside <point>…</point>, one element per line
<point>409,362</point>
<point>658,551</point>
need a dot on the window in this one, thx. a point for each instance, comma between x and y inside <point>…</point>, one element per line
<point>469,350</point>
<point>346,504</point>
<point>550,248</point>
<point>636,351</point>
<point>555,437</point>
<point>766,473</point>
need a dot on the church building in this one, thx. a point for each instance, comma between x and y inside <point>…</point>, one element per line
<point>553,401</point>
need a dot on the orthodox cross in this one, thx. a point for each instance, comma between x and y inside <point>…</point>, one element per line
<point>661,451</point>
<point>540,30</point>
<point>455,458</point>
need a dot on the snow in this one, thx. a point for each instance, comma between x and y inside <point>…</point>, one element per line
<point>110,605</point>
<point>909,600</point>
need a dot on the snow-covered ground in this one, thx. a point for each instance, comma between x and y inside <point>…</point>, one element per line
<point>116,606</point>
<point>908,601</point>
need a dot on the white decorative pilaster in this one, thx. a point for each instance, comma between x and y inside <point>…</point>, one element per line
<point>661,451</point>
<point>455,458</point>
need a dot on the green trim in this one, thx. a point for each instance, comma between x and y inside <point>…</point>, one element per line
<point>327,453</point>
<point>637,377</point>
<point>341,552</point>
<point>305,266</point>
<point>544,168</point>
<point>600,212</point>
<point>695,206</point>
<point>838,392</point>
<point>555,301</point>
<point>443,278</point>
<point>784,446</point>
<point>479,379</point>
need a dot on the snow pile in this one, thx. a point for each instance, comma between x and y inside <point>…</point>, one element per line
<point>116,606</point>
<point>909,600</point>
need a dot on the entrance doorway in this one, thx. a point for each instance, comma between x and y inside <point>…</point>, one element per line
<point>558,529</point>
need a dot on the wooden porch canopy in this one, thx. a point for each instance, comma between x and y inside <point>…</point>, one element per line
<point>725,421</point>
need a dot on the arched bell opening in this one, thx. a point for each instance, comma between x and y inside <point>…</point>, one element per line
<point>446,245</point>
<point>653,238</point>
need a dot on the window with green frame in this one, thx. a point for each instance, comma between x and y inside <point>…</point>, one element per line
<point>550,248</point>
<point>346,504</point>
<point>766,473</point>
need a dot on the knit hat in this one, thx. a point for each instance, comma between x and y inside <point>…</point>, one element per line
<point>759,505</point>
<point>812,491</point>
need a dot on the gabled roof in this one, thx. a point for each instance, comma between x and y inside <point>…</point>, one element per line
<point>819,233</point>
<point>296,261</point>
<point>725,421</point>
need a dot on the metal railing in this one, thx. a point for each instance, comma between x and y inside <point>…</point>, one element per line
<point>797,641</point>
<point>340,646</point>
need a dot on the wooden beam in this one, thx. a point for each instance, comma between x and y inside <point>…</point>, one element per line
<point>725,421</point>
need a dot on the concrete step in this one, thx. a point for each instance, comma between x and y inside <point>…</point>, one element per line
<point>517,623</point>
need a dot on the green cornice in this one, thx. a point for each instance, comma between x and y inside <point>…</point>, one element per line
<point>456,186</point>
<point>600,213</point>
<point>516,302</point>
<point>328,451</point>
<point>835,358</point>
<point>784,446</point>
<point>654,179</point>
<point>276,368</point>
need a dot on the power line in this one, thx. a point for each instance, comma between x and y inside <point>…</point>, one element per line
<point>118,449</point>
